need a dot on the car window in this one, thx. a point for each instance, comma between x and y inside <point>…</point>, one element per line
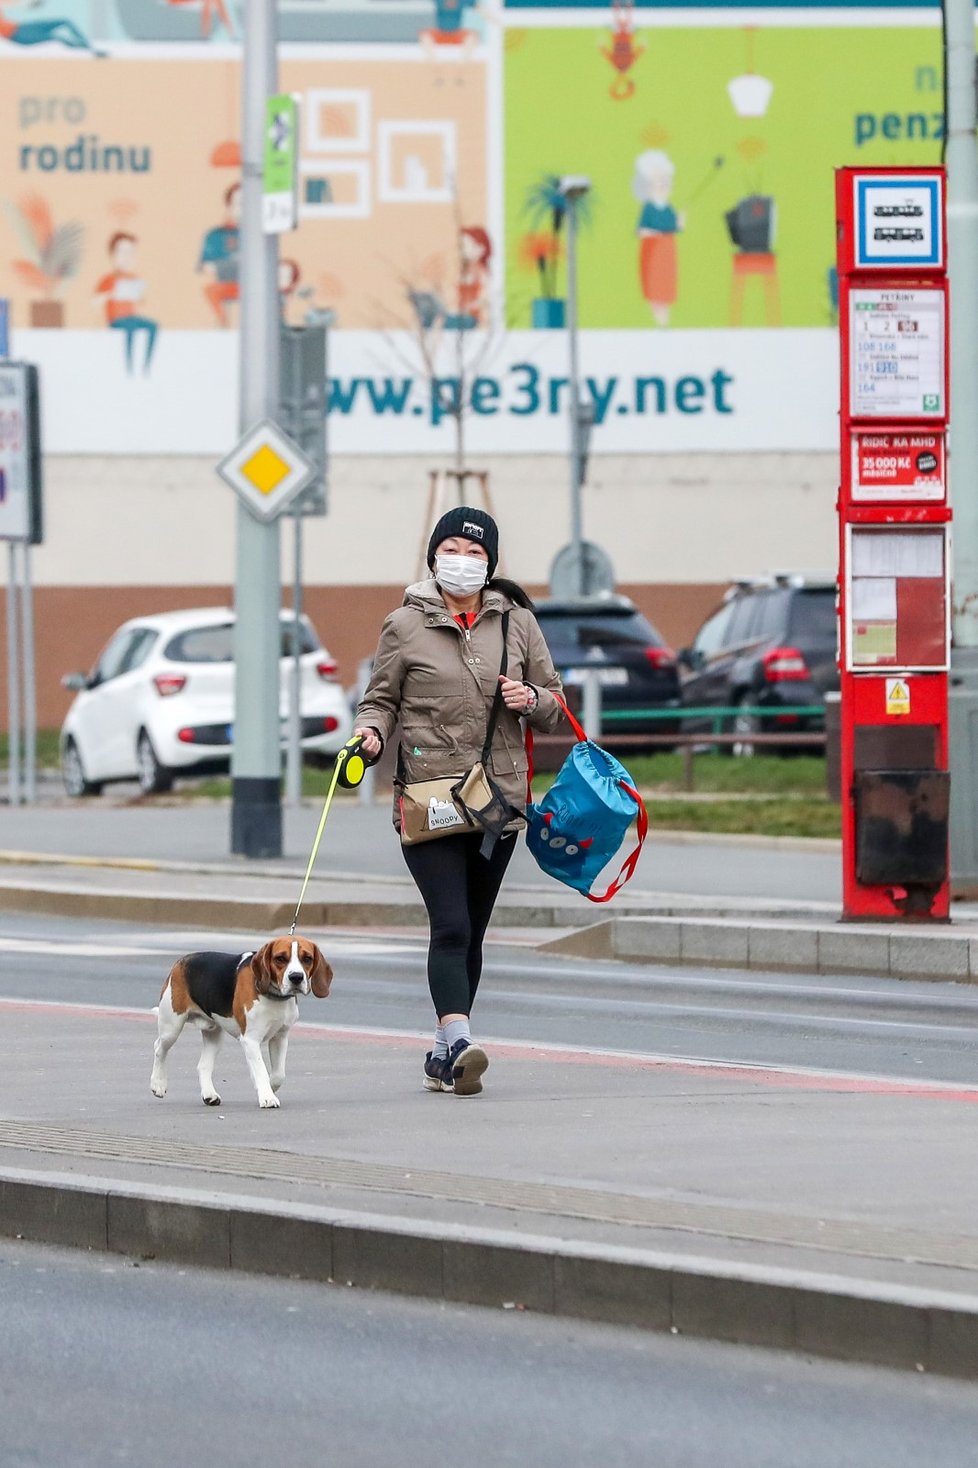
<point>202,645</point>
<point>112,661</point>
<point>139,649</point>
<point>770,618</point>
<point>710,638</point>
<point>812,619</point>
<point>604,629</point>
<point>216,644</point>
<point>308,639</point>
<point>740,618</point>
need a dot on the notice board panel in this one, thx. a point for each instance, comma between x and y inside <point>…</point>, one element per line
<point>896,353</point>
<point>897,599</point>
<point>898,466</point>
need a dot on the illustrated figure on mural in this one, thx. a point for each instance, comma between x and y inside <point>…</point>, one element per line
<point>220,258</point>
<point>449,28</point>
<point>120,292</point>
<point>37,32</point>
<point>624,50</point>
<point>658,226</point>
<point>472,297</point>
<point>209,9</point>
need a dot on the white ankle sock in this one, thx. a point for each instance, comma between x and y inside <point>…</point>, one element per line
<point>455,1030</point>
<point>440,1047</point>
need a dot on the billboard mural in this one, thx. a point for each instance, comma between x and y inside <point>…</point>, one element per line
<point>431,136</point>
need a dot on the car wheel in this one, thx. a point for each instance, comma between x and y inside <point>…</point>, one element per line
<point>153,777</point>
<point>746,727</point>
<point>76,784</point>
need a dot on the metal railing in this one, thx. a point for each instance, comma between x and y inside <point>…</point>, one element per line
<point>688,742</point>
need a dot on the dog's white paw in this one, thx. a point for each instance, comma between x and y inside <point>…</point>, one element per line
<point>267,1102</point>
<point>158,1088</point>
<point>211,1098</point>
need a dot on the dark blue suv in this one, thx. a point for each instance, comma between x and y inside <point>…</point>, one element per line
<point>771,644</point>
<point>637,670</point>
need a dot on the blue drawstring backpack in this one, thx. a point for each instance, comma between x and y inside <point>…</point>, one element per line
<point>579,825</point>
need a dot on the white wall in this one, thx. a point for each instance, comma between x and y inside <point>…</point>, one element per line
<point>672,518</point>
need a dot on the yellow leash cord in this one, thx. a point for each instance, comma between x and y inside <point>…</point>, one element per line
<point>348,771</point>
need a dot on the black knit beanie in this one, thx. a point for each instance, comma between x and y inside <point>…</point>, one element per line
<point>473,525</point>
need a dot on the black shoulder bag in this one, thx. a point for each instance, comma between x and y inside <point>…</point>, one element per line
<point>477,795</point>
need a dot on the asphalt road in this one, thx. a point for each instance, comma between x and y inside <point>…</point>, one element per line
<point>360,839</point>
<point>111,1361</point>
<point>864,1025</point>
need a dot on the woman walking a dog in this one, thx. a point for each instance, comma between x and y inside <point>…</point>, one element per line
<point>436,670</point>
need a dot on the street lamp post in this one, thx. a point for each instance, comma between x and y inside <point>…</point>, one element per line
<point>256,802</point>
<point>961,158</point>
<point>573,188</point>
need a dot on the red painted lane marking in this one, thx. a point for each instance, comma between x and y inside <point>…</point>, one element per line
<point>787,1078</point>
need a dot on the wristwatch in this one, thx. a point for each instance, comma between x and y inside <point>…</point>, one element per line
<point>531,707</point>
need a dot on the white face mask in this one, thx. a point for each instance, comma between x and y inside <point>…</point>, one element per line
<point>461,575</point>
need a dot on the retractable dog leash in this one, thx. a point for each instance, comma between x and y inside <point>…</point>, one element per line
<point>348,771</point>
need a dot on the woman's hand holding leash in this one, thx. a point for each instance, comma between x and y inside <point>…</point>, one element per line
<point>371,744</point>
<point>517,696</point>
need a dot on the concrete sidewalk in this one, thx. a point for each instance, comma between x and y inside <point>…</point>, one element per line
<point>830,1214</point>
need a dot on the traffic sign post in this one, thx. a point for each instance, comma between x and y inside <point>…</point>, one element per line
<point>21,526</point>
<point>267,471</point>
<point>894,552</point>
<point>256,756</point>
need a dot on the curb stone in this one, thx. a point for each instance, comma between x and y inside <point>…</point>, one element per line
<point>782,1309</point>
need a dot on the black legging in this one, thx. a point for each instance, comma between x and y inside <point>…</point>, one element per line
<point>459,887</point>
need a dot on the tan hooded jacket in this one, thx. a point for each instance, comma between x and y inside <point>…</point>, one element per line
<point>439,681</point>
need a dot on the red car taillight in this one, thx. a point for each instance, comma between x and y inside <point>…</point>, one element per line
<point>169,683</point>
<point>784,665</point>
<point>187,736</point>
<point>660,657</point>
<point>326,669</point>
<point>329,724</point>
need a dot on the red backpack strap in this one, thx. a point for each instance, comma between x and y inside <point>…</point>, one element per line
<point>529,744</point>
<point>571,719</point>
<point>631,861</point>
<point>529,765</point>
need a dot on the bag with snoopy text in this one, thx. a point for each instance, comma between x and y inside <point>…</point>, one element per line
<point>581,822</point>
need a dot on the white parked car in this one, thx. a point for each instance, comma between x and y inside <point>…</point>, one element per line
<point>160,701</point>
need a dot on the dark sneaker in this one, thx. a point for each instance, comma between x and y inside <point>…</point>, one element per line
<point>437,1073</point>
<point>467,1062</point>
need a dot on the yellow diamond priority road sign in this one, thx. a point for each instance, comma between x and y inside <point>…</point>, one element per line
<point>267,470</point>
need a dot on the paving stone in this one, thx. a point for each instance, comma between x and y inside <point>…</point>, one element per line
<point>268,1243</point>
<point>746,1311</point>
<point>613,1291</point>
<point>929,955</point>
<point>484,1274</point>
<point>153,1228</point>
<point>378,1259</point>
<point>846,950</point>
<point>74,1217</point>
<point>783,948</point>
<point>852,1328</point>
<point>649,938</point>
<point>721,943</point>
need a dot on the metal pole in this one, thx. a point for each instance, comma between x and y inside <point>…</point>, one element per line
<point>591,703</point>
<point>13,680</point>
<point>961,158</point>
<point>293,766</point>
<point>30,679</point>
<point>256,803</point>
<point>575,394</point>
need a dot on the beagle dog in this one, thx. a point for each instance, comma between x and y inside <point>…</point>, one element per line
<point>250,995</point>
